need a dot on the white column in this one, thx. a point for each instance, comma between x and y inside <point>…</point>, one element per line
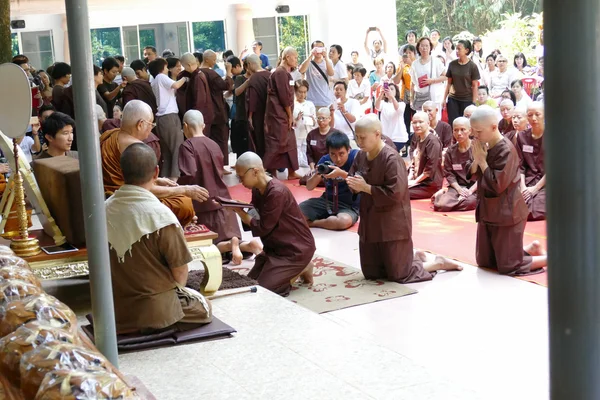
<point>244,35</point>
<point>66,54</point>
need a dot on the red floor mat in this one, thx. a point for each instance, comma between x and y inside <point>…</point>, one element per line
<point>450,235</point>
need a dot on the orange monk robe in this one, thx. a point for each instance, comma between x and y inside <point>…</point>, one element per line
<point>113,179</point>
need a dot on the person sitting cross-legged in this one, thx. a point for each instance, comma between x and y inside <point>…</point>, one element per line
<point>148,254</point>
<point>320,212</point>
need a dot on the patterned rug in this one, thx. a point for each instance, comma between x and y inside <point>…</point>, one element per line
<point>339,286</point>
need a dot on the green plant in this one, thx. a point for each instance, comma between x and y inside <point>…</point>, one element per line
<point>516,34</point>
<point>292,33</point>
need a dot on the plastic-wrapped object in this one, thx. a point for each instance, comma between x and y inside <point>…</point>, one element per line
<point>16,290</point>
<point>39,307</point>
<point>22,341</point>
<point>6,251</point>
<point>56,356</point>
<point>19,273</point>
<point>6,260</point>
<point>82,385</point>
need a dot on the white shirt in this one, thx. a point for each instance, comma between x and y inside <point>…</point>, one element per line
<point>392,121</point>
<point>165,95</point>
<point>306,124</point>
<point>339,72</point>
<point>417,69</point>
<point>525,100</point>
<point>500,81</point>
<point>352,107</point>
<point>26,146</point>
<point>363,90</point>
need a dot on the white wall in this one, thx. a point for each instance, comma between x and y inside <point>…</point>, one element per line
<point>40,22</point>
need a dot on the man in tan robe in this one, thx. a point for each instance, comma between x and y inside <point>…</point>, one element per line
<point>148,254</point>
<point>135,127</point>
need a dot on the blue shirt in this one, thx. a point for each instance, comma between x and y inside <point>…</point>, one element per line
<point>264,60</point>
<point>344,193</point>
<point>219,71</point>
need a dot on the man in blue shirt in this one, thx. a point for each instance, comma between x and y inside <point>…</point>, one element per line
<point>319,211</point>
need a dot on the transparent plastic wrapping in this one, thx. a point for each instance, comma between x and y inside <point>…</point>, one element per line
<point>6,251</point>
<point>12,272</point>
<point>16,290</point>
<point>54,356</point>
<point>39,307</point>
<point>81,385</point>
<point>22,341</point>
<point>6,260</point>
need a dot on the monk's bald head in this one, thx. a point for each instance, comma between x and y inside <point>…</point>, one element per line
<point>194,118</point>
<point>484,124</point>
<point>138,163</point>
<point>289,57</point>
<point>189,62</point>
<point>368,133</point>
<point>249,160</point>
<point>535,116</point>
<point>369,123</point>
<point>461,129</point>
<point>536,105</point>
<point>469,111</point>
<point>209,57</point>
<point>135,114</point>
<point>128,73</point>
<point>507,103</point>
<point>484,114</point>
<point>254,62</point>
<point>461,121</point>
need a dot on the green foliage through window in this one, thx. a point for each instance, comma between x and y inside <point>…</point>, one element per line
<point>147,38</point>
<point>106,42</point>
<point>15,44</point>
<point>208,35</point>
<point>292,32</point>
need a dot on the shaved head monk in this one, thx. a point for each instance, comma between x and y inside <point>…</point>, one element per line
<point>219,128</point>
<point>201,163</point>
<point>520,123</point>
<point>148,254</point>
<point>469,111</point>
<point>280,140</point>
<point>195,94</point>
<point>136,125</point>
<point>385,230</point>
<point>316,146</point>
<point>530,145</point>
<point>425,176</point>
<point>501,212</point>
<point>443,129</point>
<point>506,109</point>
<point>460,195</point>
<point>288,243</point>
<point>256,101</point>
<point>137,89</point>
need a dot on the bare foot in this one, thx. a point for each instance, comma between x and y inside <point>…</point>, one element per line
<point>447,264</point>
<point>292,176</point>
<point>236,253</point>
<point>420,255</point>
<point>255,246</point>
<point>535,249</point>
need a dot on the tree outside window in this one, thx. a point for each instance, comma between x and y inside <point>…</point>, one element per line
<point>209,35</point>
<point>292,32</point>
<point>106,42</point>
<point>15,44</point>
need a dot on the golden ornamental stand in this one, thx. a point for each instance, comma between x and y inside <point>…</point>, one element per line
<point>22,245</point>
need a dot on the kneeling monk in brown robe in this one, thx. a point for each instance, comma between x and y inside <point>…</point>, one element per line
<point>501,212</point>
<point>289,243</point>
<point>460,195</point>
<point>201,163</point>
<point>385,231</point>
<point>530,145</point>
<point>426,176</point>
<point>148,254</point>
<point>136,125</point>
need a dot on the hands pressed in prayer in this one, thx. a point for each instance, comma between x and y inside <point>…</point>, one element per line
<point>166,182</point>
<point>358,184</point>
<point>197,193</point>
<point>479,152</point>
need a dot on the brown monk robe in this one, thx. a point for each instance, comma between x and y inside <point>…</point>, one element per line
<point>501,212</point>
<point>505,125</point>
<point>113,143</point>
<point>137,89</point>
<point>288,242</point>
<point>426,176</point>
<point>195,94</point>
<point>442,129</point>
<point>520,123</point>
<point>201,163</point>
<point>461,192</point>
<point>385,231</point>
<point>256,105</point>
<point>280,140</point>
<point>219,128</point>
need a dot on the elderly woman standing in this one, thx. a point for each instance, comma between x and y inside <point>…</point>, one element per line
<point>427,77</point>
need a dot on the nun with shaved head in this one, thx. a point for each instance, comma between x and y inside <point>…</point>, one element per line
<point>385,231</point>
<point>195,95</point>
<point>501,212</point>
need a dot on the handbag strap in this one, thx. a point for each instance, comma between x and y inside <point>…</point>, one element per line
<point>430,74</point>
<point>320,71</point>
<point>348,122</point>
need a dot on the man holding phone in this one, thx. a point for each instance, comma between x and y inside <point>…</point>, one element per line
<point>318,70</point>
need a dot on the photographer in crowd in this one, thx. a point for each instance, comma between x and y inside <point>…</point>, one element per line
<point>337,208</point>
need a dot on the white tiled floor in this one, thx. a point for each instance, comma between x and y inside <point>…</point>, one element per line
<point>465,335</point>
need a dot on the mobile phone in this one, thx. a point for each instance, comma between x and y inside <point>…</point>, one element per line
<point>34,121</point>
<point>319,49</point>
<point>372,28</point>
<point>386,85</point>
<point>63,248</point>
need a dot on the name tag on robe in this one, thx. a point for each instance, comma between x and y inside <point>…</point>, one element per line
<point>457,167</point>
<point>292,82</point>
<point>313,142</point>
<point>527,148</point>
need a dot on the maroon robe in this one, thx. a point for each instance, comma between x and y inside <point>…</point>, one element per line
<point>512,136</point>
<point>256,103</point>
<point>385,230</point>
<point>219,128</point>
<point>387,140</point>
<point>201,163</point>
<point>196,95</point>
<point>280,139</point>
<point>501,212</point>
<point>288,242</point>
<point>316,146</point>
<point>140,89</point>
<point>444,132</point>
<point>455,171</point>
<point>430,161</point>
<point>110,124</point>
<point>504,126</point>
<point>154,143</point>
<point>531,152</point>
